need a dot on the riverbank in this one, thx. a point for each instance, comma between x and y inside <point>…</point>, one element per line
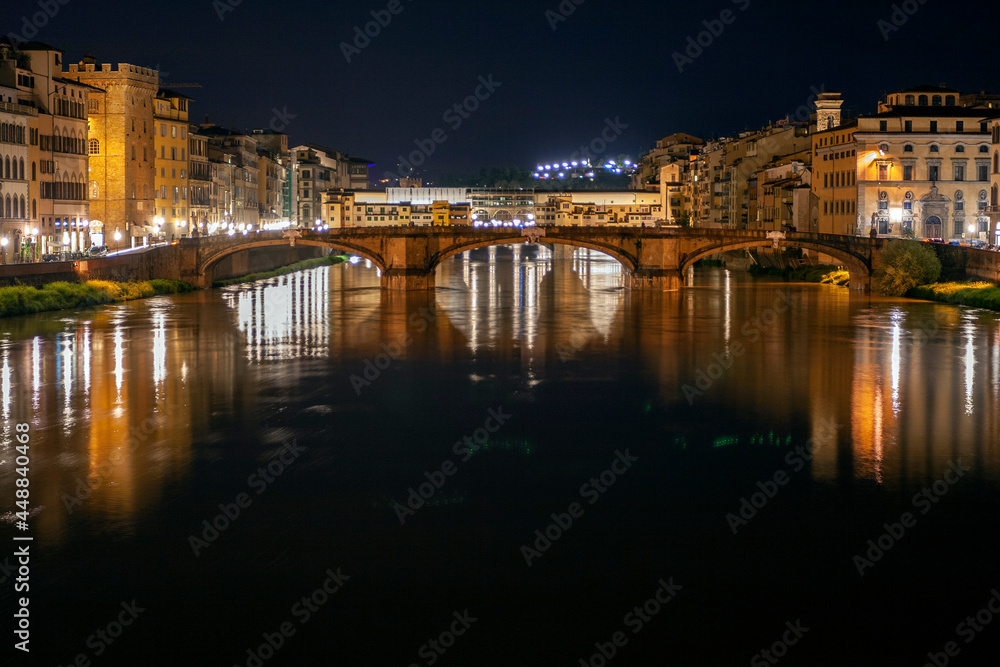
<point>26,300</point>
<point>291,268</point>
<point>978,295</point>
<point>829,274</point>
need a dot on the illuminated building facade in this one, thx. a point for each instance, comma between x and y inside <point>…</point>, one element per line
<point>56,166</point>
<point>172,219</point>
<point>15,198</point>
<point>834,183</point>
<point>120,146</point>
<point>200,191</point>
<point>923,166</point>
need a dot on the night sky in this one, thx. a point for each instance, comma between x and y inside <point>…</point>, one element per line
<point>557,87</point>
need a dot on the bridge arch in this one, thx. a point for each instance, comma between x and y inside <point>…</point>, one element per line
<point>627,260</point>
<point>857,265</point>
<point>207,265</point>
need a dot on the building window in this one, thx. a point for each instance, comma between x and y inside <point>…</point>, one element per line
<point>936,101</point>
<point>173,131</point>
<point>934,148</point>
<point>907,173</point>
<point>908,148</point>
<point>959,172</point>
<point>883,205</point>
<point>958,228</point>
<point>960,148</point>
<point>909,100</point>
<point>883,126</point>
<point>934,126</point>
<point>94,149</point>
<point>933,172</point>
<point>883,172</point>
<point>949,101</point>
<point>173,153</point>
<point>922,100</point>
<point>908,125</point>
<point>960,126</point>
<point>983,172</point>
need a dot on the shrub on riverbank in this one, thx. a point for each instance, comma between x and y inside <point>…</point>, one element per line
<point>26,300</point>
<point>291,268</point>
<point>979,295</point>
<point>903,265</point>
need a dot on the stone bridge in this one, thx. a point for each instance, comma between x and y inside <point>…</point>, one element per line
<point>653,258</point>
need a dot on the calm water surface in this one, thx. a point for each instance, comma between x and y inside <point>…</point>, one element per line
<point>770,431</point>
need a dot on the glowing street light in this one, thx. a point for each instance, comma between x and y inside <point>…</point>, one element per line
<point>118,237</point>
<point>3,244</point>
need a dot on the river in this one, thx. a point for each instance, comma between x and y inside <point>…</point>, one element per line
<point>529,466</point>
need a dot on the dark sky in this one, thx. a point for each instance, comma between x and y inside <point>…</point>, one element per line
<point>606,60</point>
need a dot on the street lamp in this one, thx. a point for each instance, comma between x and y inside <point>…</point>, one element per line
<point>118,237</point>
<point>3,243</point>
<point>34,243</point>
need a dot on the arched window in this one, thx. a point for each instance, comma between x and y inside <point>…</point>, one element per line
<point>936,101</point>
<point>24,207</point>
<point>32,171</point>
<point>960,148</point>
<point>993,197</point>
<point>6,169</point>
<point>984,149</point>
<point>21,162</point>
<point>909,100</point>
<point>949,101</point>
<point>922,100</point>
<point>996,162</point>
<point>95,147</point>
<point>908,148</point>
<point>934,148</point>
<point>34,209</point>
<point>9,214</point>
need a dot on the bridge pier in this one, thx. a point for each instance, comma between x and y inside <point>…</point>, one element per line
<point>407,279</point>
<point>656,280</point>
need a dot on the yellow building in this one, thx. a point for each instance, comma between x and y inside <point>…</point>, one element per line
<point>447,214</point>
<point>994,167</point>
<point>172,219</point>
<point>120,146</point>
<point>834,182</point>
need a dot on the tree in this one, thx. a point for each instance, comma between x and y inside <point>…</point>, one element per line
<point>903,265</point>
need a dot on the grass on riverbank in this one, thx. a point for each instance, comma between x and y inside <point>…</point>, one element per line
<point>821,273</point>
<point>291,268</point>
<point>26,300</point>
<point>979,295</point>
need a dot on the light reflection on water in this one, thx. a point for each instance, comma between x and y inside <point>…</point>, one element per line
<point>899,378</point>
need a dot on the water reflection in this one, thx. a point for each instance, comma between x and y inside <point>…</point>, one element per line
<point>154,386</point>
